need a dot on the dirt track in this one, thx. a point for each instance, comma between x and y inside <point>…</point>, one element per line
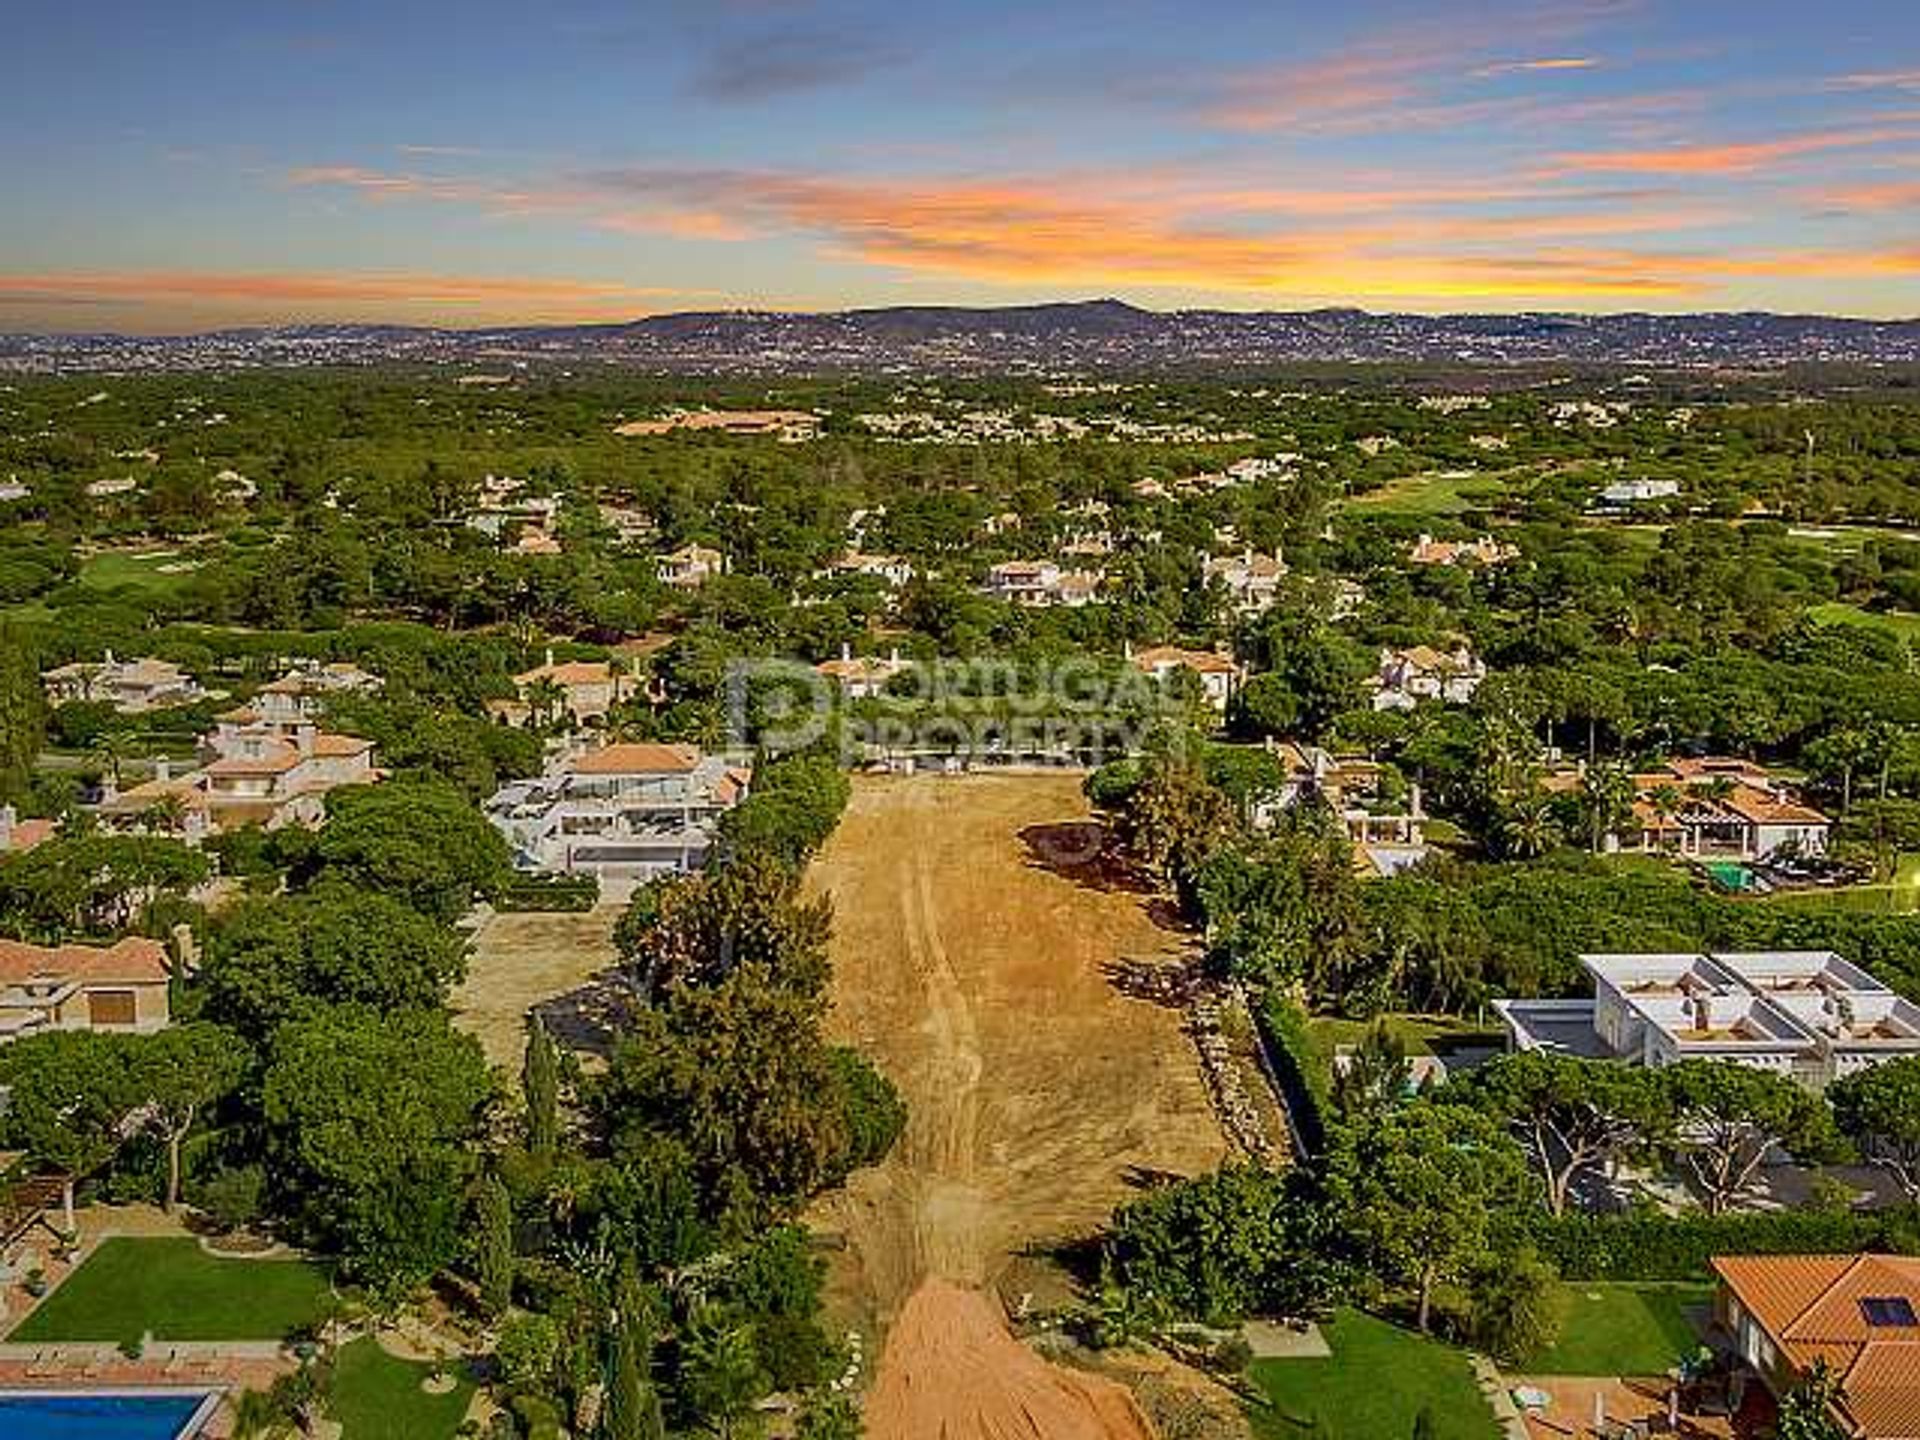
<point>972,969</point>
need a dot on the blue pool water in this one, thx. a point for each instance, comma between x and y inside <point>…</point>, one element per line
<point>97,1417</point>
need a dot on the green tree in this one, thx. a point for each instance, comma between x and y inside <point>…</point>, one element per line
<point>419,842</point>
<point>1571,1116</point>
<point>721,1371</point>
<point>1727,1117</point>
<point>1606,795</point>
<point>737,1073</point>
<point>178,1074</point>
<point>829,1416</point>
<point>1424,1190</point>
<point>272,960</point>
<point>1879,1110</point>
<point>493,1246</point>
<point>1807,1410</point>
<point>698,929</point>
<point>540,1082</point>
<point>369,1123</point>
<point>70,1092</point>
<point>23,714</point>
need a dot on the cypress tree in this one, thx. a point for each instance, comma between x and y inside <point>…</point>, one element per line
<point>493,1263</point>
<point>540,1080</point>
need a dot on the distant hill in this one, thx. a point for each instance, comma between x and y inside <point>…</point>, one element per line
<point>1069,336</point>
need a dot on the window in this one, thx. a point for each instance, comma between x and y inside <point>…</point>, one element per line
<point>1884,1312</point>
<point>110,1007</point>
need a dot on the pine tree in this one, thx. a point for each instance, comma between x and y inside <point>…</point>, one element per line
<point>494,1260</point>
<point>541,1083</point>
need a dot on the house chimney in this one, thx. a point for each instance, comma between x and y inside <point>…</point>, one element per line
<point>7,818</point>
<point>303,737</point>
<point>162,770</point>
<point>1703,1013</point>
<point>846,650</point>
<point>549,657</point>
<point>893,656</point>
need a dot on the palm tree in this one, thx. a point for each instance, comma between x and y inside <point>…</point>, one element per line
<point>1608,792</point>
<point>545,700</point>
<point>1531,829</point>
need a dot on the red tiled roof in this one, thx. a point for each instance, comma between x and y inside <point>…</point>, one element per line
<point>134,960</point>
<point>638,759</point>
<point>1811,1306</point>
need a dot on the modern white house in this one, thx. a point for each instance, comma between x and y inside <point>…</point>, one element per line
<point>1388,835</point>
<point>619,812</point>
<point>1807,1014</point>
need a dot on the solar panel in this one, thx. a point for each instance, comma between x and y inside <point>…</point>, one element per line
<point>1888,1311</point>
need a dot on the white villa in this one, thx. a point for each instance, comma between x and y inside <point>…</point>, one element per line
<point>1805,1014</point>
<point>254,773</point>
<point>585,690</point>
<point>1219,676</point>
<point>1408,677</point>
<point>1387,836</point>
<point>130,686</point>
<point>1041,583</point>
<point>861,677</point>
<point>1484,551</point>
<point>1252,581</point>
<point>119,987</point>
<point>1713,807</point>
<point>894,569</point>
<point>621,812</point>
<point>690,567</point>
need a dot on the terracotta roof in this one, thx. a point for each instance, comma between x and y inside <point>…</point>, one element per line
<point>134,960</point>
<point>638,759</point>
<point>1205,661</point>
<point>276,762</point>
<point>569,672</point>
<point>1812,1307</point>
<point>340,745</point>
<point>29,833</point>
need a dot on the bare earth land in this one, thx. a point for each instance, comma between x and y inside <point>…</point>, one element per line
<point>520,961</point>
<point>973,966</point>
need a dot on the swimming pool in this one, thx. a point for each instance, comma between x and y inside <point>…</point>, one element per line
<point>104,1414</point>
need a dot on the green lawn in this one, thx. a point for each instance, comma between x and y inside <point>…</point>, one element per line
<point>1372,1388</point>
<point>376,1397</point>
<point>139,569</point>
<point>1622,1330</point>
<point>1904,624</point>
<point>1421,1034</point>
<point>174,1290</point>
<point>1432,494</point>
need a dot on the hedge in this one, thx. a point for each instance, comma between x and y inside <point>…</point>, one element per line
<point>1286,1031</point>
<point>1680,1247</point>
<point>548,892</point>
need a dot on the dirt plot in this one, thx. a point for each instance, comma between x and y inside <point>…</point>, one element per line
<point>519,961</point>
<point>973,960</point>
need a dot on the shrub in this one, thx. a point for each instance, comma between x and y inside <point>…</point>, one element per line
<point>527,1349</point>
<point>231,1198</point>
<point>1285,1029</point>
<point>1664,1247</point>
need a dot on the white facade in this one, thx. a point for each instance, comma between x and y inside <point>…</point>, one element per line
<point>1805,1014</point>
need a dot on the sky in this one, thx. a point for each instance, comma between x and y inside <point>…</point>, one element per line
<point>176,167</point>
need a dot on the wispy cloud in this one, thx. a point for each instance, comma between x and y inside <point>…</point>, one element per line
<point>1730,158</point>
<point>1877,80</point>
<point>1527,67</point>
<point>294,294</point>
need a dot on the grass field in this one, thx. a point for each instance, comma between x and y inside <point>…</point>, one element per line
<point>1434,493</point>
<point>1421,1034</point>
<point>378,1397</point>
<point>138,570</point>
<point>1622,1330</point>
<point>1373,1387</point>
<point>174,1290</point>
<point>1904,624</point>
